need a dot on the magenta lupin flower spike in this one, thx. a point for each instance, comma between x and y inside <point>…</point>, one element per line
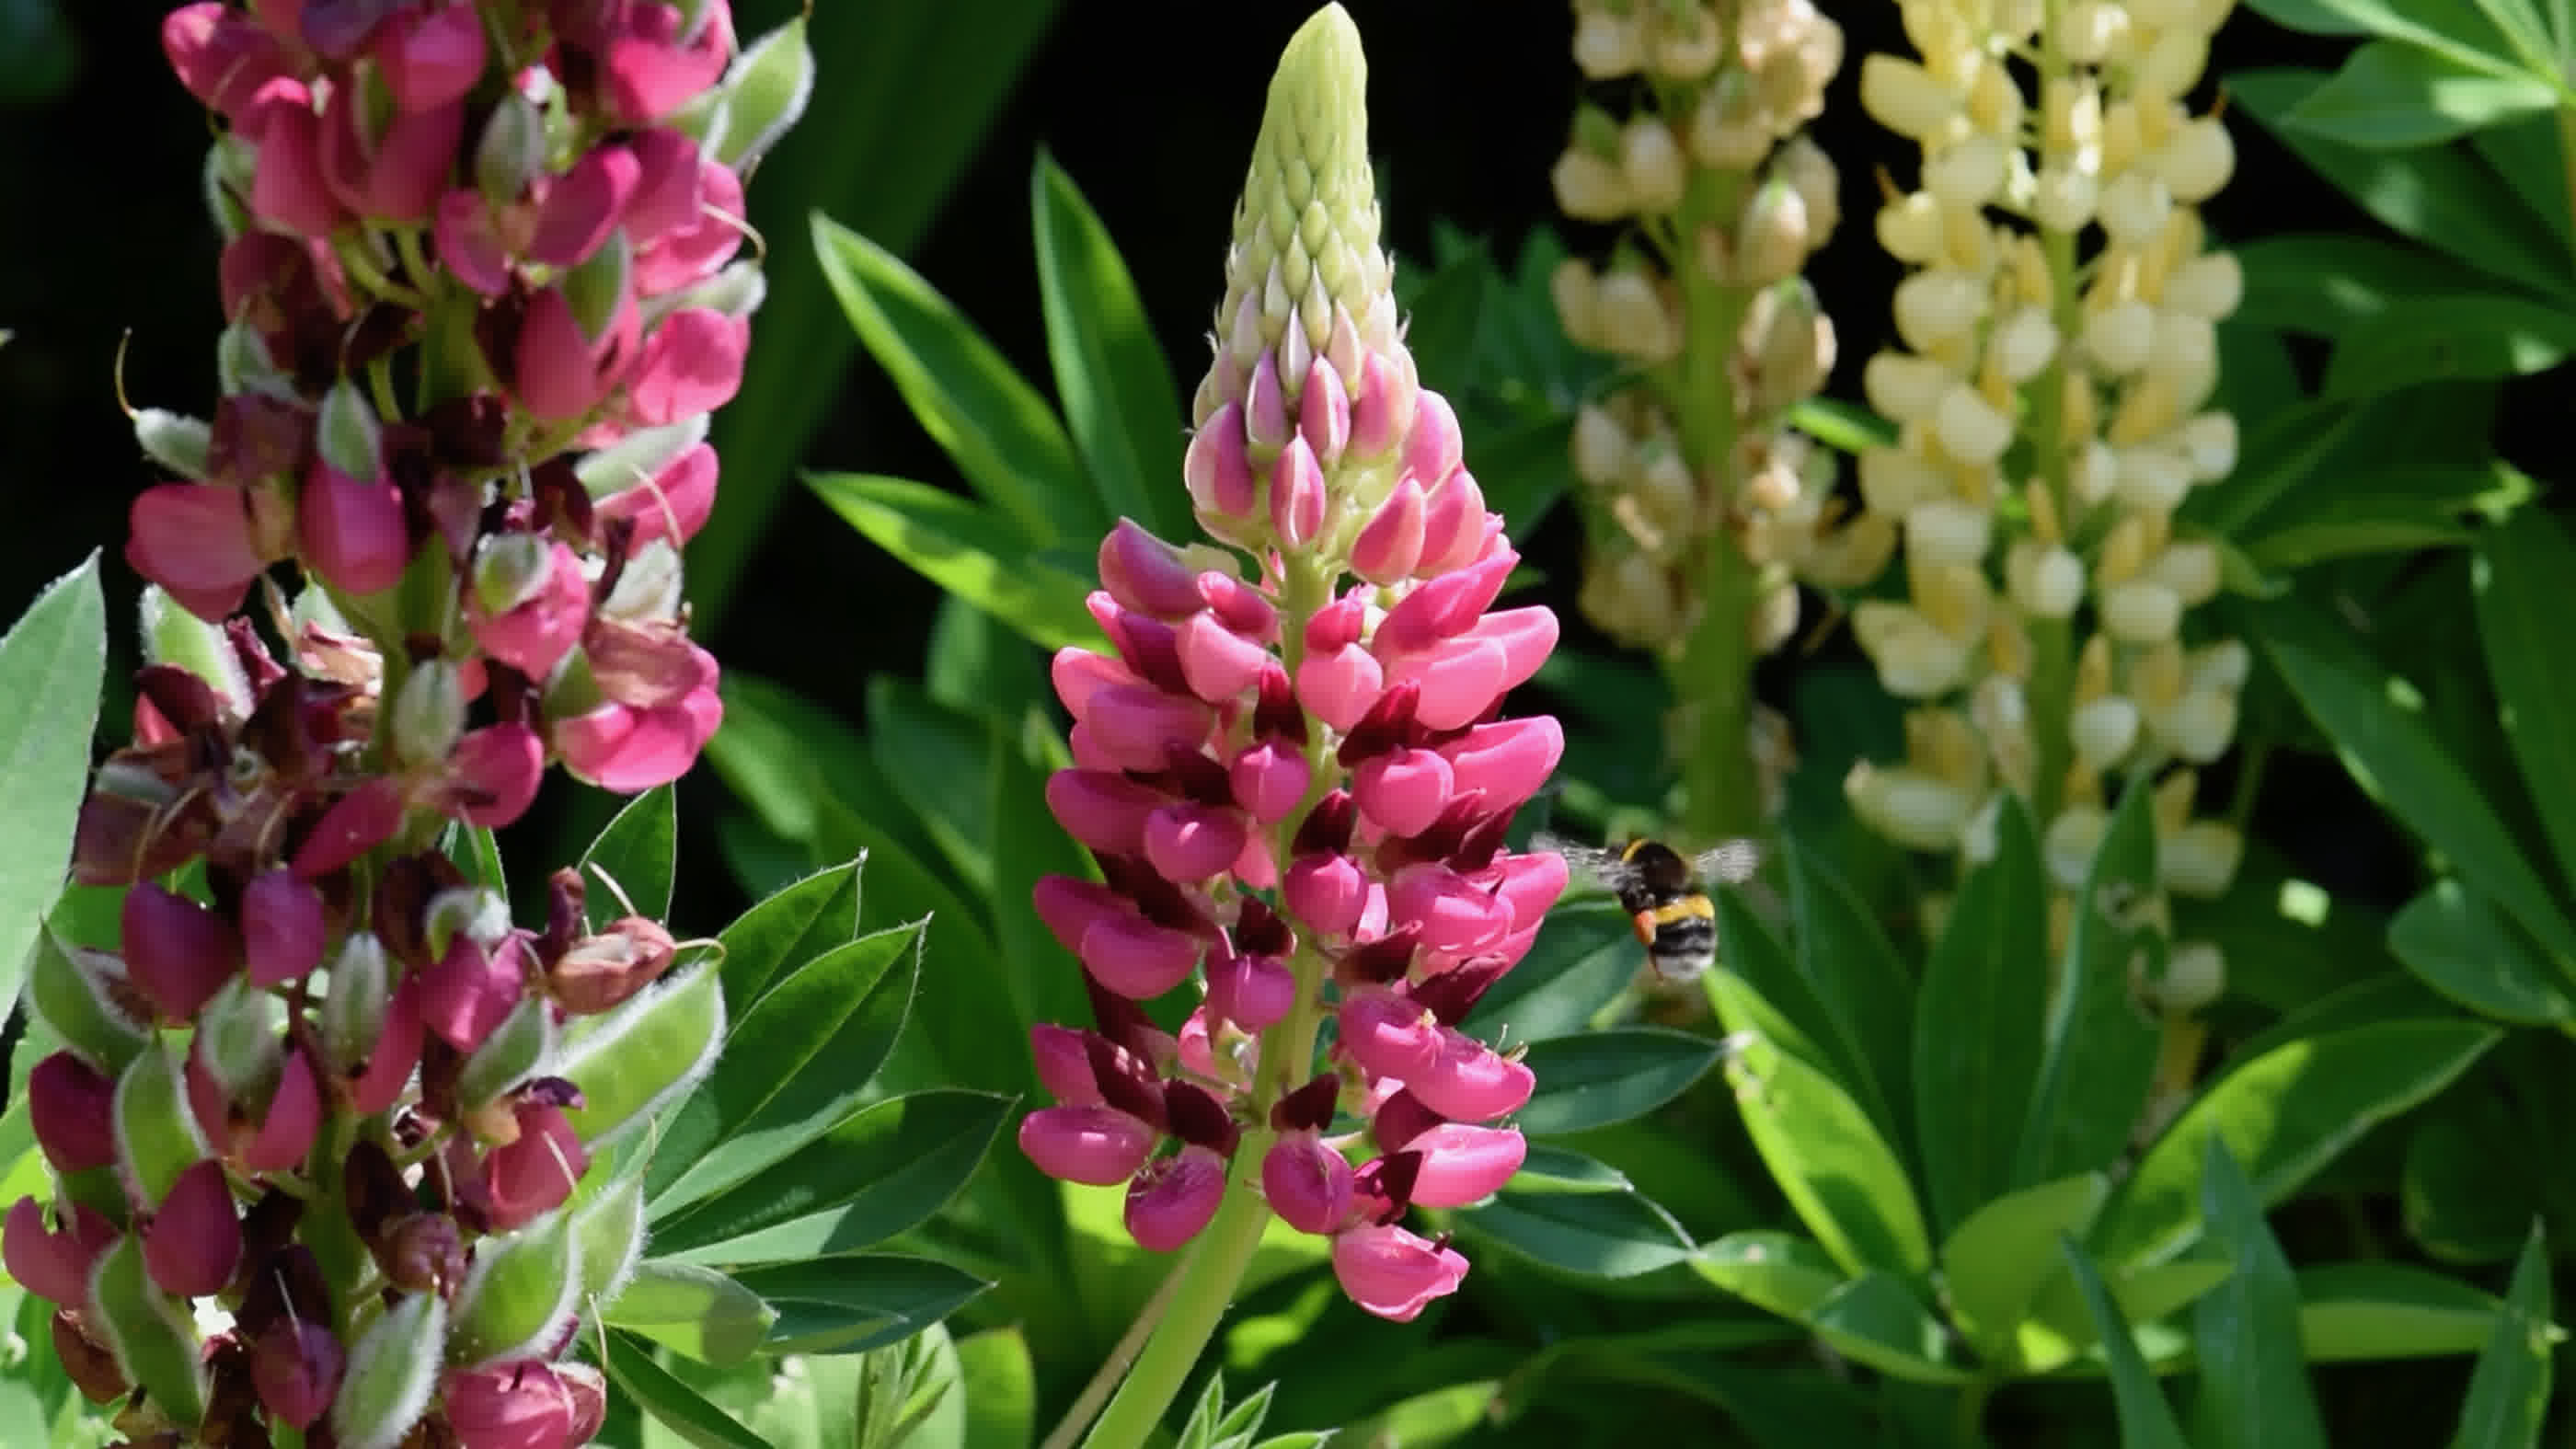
<point>482,283</point>
<point>1296,781</point>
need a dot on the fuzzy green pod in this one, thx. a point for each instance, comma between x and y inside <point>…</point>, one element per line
<point>520,1291</point>
<point>391,1374</point>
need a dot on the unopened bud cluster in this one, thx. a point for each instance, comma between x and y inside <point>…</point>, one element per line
<point>2052,397</point>
<point>1728,198</point>
<point>1297,786</point>
<point>321,1125</point>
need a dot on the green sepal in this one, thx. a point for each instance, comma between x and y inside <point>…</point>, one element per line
<point>151,1333</point>
<point>157,1136</point>
<point>71,989</point>
<point>391,1374</point>
<point>521,1289</point>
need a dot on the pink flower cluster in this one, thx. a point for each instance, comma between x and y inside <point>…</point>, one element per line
<point>510,213</point>
<point>482,293</point>
<point>1308,813</point>
<point>425,982</point>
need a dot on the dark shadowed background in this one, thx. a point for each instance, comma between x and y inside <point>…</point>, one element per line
<point>1151,107</point>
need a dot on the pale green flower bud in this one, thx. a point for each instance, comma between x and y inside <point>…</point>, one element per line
<point>2070,840</point>
<point>1902,96</point>
<point>230,164</point>
<point>2140,611</point>
<point>2195,975</point>
<point>2197,161</point>
<point>353,1009</point>
<point>509,569</point>
<point>1651,164</point>
<point>510,1055</point>
<point>429,712</point>
<point>1601,447</point>
<point>1970,428</point>
<point>1909,806</point>
<point>2103,731</point>
<point>1948,531</point>
<point>2134,207</point>
<point>477,912</point>
<point>1607,46</point>
<point>175,441</point>
<point>1910,228</point>
<point>1936,305</point>
<point>242,364</point>
<point>240,1038</point>
<point>512,151</point>
<point>1902,386</point>
<point>2200,860</point>
<point>349,434</point>
<point>391,1373</point>
<point>2208,286</point>
<point>1305,245</point>
<point>1893,480</point>
<point>1578,306</point>
<point>173,636</point>
<point>2118,338</point>
<point>1773,237</point>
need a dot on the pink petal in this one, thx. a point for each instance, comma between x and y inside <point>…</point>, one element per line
<point>194,540</point>
<point>1103,809</point>
<point>1173,1198</point>
<point>352,532</point>
<point>1095,1145</point>
<point>583,205</point>
<point>468,243</point>
<point>1190,843</point>
<point>1392,1273</point>
<point>691,364</point>
<point>1404,791</point>
<point>1306,1183</point>
<point>1462,1163</point>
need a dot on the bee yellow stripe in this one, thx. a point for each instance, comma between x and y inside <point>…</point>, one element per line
<point>1683,908</point>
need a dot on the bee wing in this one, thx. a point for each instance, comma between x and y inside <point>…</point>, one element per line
<point>1730,864</point>
<point>1602,866</point>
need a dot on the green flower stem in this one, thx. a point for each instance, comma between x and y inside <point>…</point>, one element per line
<point>2051,689</point>
<point>1194,1299</point>
<point>1712,677</point>
<point>1207,1282</point>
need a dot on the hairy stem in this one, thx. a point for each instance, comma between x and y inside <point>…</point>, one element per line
<point>1712,676</point>
<point>1193,1302</point>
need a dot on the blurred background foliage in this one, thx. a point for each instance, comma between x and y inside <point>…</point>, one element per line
<point>922,135</point>
<point>925,131</point>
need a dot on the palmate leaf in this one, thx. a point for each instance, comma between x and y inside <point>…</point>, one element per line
<point>1597,1234</point>
<point>2284,1112</point>
<point>2378,724</point>
<point>1119,399</point>
<point>2443,197</point>
<point>874,1174</point>
<point>1000,433</point>
<point>795,1065</point>
<point>51,662</point>
<point>2254,1390</point>
<point>2146,1418</point>
<point>639,853</point>
<point>2508,1399</point>
<point>973,550</point>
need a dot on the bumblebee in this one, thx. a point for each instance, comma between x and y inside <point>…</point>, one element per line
<point>1660,889</point>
